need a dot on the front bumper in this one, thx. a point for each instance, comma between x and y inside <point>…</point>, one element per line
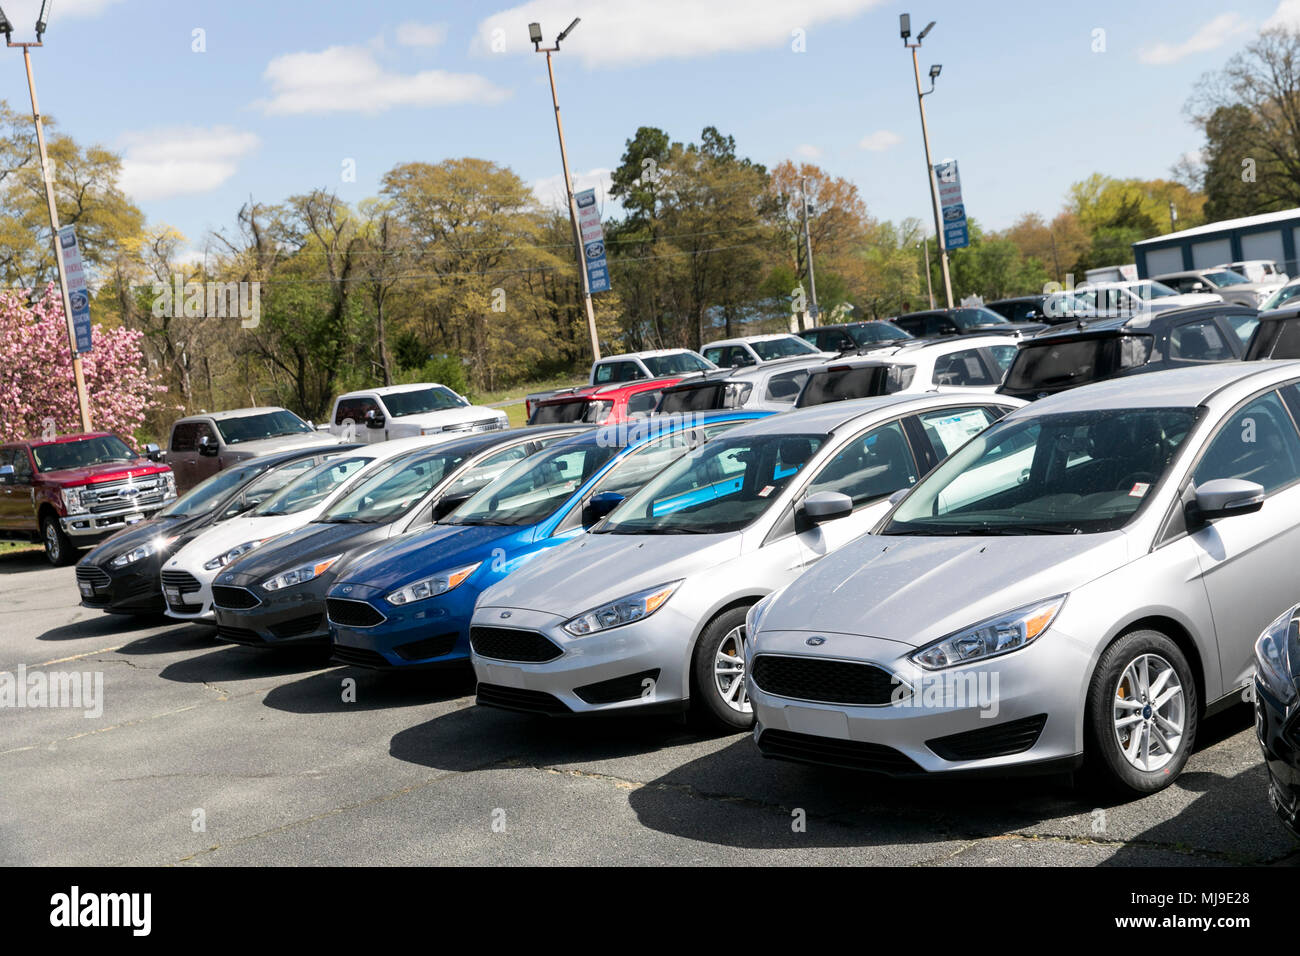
<point>428,633</point>
<point>187,593</point>
<point>134,589</point>
<point>638,667</point>
<point>1016,713</point>
<point>294,615</point>
<point>90,528</point>
<point>1277,728</point>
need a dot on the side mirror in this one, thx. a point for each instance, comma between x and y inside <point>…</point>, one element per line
<point>207,447</point>
<point>153,452</point>
<point>6,474</point>
<point>827,506</point>
<point>374,420</point>
<point>449,503</point>
<point>1223,498</point>
<point>602,504</point>
<point>898,496</point>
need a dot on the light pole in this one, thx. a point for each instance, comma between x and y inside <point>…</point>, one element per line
<point>905,30</point>
<point>535,36</point>
<point>807,241</point>
<point>7,28</point>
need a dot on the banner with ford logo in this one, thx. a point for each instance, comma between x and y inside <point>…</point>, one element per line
<point>955,233</point>
<point>593,241</point>
<point>78,295</point>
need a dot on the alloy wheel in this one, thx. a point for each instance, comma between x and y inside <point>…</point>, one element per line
<point>1149,712</point>
<point>729,671</point>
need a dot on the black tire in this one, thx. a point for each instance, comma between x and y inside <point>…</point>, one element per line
<point>1106,760</point>
<point>708,708</point>
<point>58,547</point>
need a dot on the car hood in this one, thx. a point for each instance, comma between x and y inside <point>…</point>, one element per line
<point>1183,300</point>
<point>108,471</point>
<point>443,546</point>
<point>131,537</point>
<point>312,542</point>
<point>251,449</point>
<point>595,569</point>
<point>914,590</point>
<point>220,538</point>
<point>448,416</point>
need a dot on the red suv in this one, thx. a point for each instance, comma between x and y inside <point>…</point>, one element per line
<point>600,404</point>
<point>74,490</point>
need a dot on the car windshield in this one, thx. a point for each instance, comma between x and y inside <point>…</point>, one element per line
<point>1067,473</point>
<point>1224,277</point>
<point>256,427</point>
<point>784,347</point>
<point>1284,294</point>
<point>81,453</point>
<point>312,487</point>
<point>210,492</point>
<point>1150,289</point>
<point>437,398</point>
<point>679,363</point>
<point>392,490</point>
<point>972,318</point>
<point>873,333</point>
<point>721,486</point>
<point>534,488</point>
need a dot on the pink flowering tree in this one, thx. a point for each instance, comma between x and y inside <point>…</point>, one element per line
<point>36,382</point>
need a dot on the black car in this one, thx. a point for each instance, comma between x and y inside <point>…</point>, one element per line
<point>853,336</point>
<point>275,596</point>
<point>972,320</point>
<point>123,574</point>
<point>1070,356</point>
<point>1277,713</point>
<point>1025,308</point>
<point>1278,335</point>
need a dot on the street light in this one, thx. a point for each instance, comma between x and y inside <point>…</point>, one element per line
<point>535,37</point>
<point>905,31</point>
<point>42,21</point>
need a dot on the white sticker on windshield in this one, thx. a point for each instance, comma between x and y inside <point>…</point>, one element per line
<point>1139,490</point>
<point>767,490</point>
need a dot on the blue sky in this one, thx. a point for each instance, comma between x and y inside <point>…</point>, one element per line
<point>285,92</point>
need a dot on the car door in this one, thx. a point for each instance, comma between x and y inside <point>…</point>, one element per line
<point>182,452</point>
<point>8,500</point>
<point>21,501</point>
<point>205,465</point>
<point>1247,561</point>
<point>869,467</point>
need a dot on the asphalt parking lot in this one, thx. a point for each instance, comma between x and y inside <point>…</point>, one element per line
<point>208,754</point>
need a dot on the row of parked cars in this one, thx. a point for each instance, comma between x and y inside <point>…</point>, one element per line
<point>923,580</point>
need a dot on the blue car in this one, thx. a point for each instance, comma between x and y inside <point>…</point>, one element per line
<point>409,603</point>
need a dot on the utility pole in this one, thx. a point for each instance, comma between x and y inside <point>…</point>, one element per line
<point>77,372</point>
<point>929,286</point>
<point>905,29</point>
<point>807,244</point>
<point>535,35</point>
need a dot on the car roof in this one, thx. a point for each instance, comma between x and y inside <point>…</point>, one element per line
<point>1284,314</point>
<point>821,419</point>
<point>651,353</point>
<point>627,434</point>
<point>1150,321</point>
<point>393,389</point>
<point>1171,388</point>
<point>1017,298</point>
<point>743,339</point>
<point>293,454</point>
<point>232,413</point>
<point>57,439</point>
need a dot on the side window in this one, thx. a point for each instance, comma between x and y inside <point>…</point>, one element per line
<point>618,372</point>
<point>268,484</point>
<point>643,403</point>
<point>604,373</point>
<point>1199,341</point>
<point>739,356</point>
<point>714,356</point>
<point>1002,356</point>
<point>1243,325</point>
<point>785,387</point>
<point>962,368</point>
<point>947,429</point>
<point>22,465</point>
<point>185,436</point>
<point>1258,442</point>
<point>203,430</point>
<point>872,466</point>
<point>355,409</point>
<point>643,464</point>
<point>941,325</point>
<point>476,476</point>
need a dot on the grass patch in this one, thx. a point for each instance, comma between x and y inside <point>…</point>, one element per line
<point>511,400</point>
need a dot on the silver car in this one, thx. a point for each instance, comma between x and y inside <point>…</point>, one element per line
<point>1079,584</point>
<point>647,611</point>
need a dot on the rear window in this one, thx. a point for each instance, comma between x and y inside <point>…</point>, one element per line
<point>698,398</point>
<point>1061,365</point>
<point>1278,340</point>
<point>845,382</point>
<point>551,413</point>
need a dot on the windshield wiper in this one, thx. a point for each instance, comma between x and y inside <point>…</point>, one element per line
<point>992,531</point>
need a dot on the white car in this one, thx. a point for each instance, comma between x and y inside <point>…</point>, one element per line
<point>757,349</point>
<point>1106,299</point>
<point>965,363</point>
<point>1256,270</point>
<point>404,411</point>
<point>187,577</point>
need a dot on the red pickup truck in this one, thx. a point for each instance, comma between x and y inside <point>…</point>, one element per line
<point>600,404</point>
<point>74,490</point>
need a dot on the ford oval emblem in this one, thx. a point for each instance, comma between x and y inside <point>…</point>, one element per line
<point>504,615</point>
<point>815,641</point>
<point>347,589</point>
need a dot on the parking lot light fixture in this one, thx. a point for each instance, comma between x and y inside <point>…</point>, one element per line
<point>43,18</point>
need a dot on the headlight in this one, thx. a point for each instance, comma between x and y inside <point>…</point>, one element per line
<point>221,560</point>
<point>625,610</point>
<point>169,484</point>
<point>152,546</point>
<point>996,636</point>
<point>72,502</point>
<point>431,587</point>
<point>1275,651</point>
<point>299,574</point>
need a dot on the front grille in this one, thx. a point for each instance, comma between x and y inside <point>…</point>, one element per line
<point>351,613</point>
<point>115,495</point>
<point>298,626</point>
<point>510,644</point>
<point>437,646</point>
<point>358,657</point>
<point>617,689</point>
<point>239,599</point>
<point>95,577</point>
<point>524,701</point>
<point>184,582</point>
<point>824,681</point>
<point>1012,737</point>
<point>239,635</point>
<point>850,754</point>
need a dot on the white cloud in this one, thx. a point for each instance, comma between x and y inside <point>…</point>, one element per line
<point>550,193</point>
<point>176,161</point>
<point>1209,37</point>
<point>880,140</point>
<point>348,79</point>
<point>1286,15</point>
<point>623,32</point>
<point>808,151</point>
<point>421,34</point>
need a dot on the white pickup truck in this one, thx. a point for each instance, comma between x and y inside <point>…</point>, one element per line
<point>404,411</point>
